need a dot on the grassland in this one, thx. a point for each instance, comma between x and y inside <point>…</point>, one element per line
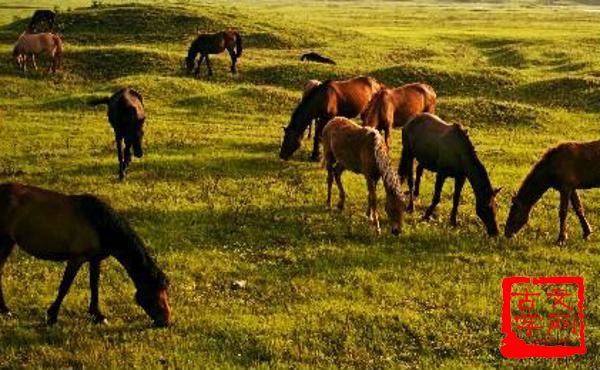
<point>216,205</point>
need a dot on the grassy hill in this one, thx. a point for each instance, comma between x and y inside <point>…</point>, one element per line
<point>215,204</point>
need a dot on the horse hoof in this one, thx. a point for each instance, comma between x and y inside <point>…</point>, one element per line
<point>586,235</point>
<point>6,313</point>
<point>51,321</point>
<point>100,321</point>
<point>561,242</point>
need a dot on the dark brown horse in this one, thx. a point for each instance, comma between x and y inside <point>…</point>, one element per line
<point>78,229</point>
<point>213,43</point>
<point>126,116</point>
<point>391,108</point>
<point>40,17</point>
<point>331,98</point>
<point>566,168</point>
<point>447,150</point>
<point>348,146</point>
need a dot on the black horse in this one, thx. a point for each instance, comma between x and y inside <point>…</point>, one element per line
<point>314,57</point>
<point>78,229</point>
<point>126,116</point>
<point>40,17</point>
<point>213,43</point>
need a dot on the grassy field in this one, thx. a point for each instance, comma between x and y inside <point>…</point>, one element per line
<point>215,204</point>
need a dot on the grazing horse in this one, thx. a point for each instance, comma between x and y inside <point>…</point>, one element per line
<point>78,229</point>
<point>447,150</point>
<point>566,168</point>
<point>213,43</point>
<point>331,98</point>
<point>314,57</point>
<point>362,150</point>
<point>126,116</point>
<point>309,85</point>
<point>37,43</point>
<point>42,16</point>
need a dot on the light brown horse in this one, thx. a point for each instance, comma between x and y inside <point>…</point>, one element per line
<point>213,43</point>
<point>348,146</point>
<point>447,150</point>
<point>566,168</point>
<point>331,98</point>
<point>308,86</point>
<point>391,108</point>
<point>37,43</point>
<point>78,229</point>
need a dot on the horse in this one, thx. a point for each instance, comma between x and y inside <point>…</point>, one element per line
<point>314,57</point>
<point>447,150</point>
<point>78,229</point>
<point>566,168</point>
<point>391,108</point>
<point>126,116</point>
<point>42,16</point>
<point>362,150</point>
<point>309,85</point>
<point>330,99</point>
<point>213,43</point>
<point>37,43</point>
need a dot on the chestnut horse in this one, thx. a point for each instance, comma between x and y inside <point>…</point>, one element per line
<point>447,150</point>
<point>213,43</point>
<point>126,116</point>
<point>362,150</point>
<point>78,229</point>
<point>38,43</point>
<point>391,108</point>
<point>566,168</point>
<point>331,98</point>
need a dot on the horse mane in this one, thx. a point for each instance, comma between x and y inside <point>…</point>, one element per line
<point>301,108</point>
<point>122,242</point>
<point>384,165</point>
<point>464,136</point>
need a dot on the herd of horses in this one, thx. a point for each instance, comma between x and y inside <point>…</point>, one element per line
<point>84,229</point>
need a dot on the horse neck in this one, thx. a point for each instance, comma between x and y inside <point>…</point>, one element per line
<point>534,186</point>
<point>304,113</point>
<point>478,178</point>
<point>135,259</point>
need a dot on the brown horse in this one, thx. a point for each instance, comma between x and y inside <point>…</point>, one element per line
<point>566,168</point>
<point>331,98</point>
<point>126,115</point>
<point>447,150</point>
<point>347,145</point>
<point>391,108</point>
<point>38,43</point>
<point>308,86</point>
<point>213,43</point>
<point>78,229</point>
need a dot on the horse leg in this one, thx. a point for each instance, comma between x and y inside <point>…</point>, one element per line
<point>372,211</point>
<point>70,273</point>
<point>418,180</point>
<point>562,215</point>
<point>120,157</point>
<point>6,247</point>
<point>314,157</point>
<point>437,194</point>
<point>310,124</point>
<point>198,64</point>
<point>233,60</point>
<point>94,310</point>
<point>578,207</point>
<point>337,175</point>
<point>33,62</point>
<point>209,65</point>
<point>329,183</point>
<point>458,186</point>
<point>405,172</point>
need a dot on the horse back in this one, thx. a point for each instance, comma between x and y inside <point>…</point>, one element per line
<point>353,96</point>
<point>126,107</point>
<point>350,145</point>
<point>46,224</point>
<point>572,164</point>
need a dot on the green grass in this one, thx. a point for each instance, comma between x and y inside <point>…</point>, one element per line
<point>216,205</point>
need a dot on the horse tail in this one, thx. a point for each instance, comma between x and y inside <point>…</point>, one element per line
<point>99,101</point>
<point>238,44</point>
<point>430,99</point>
<point>384,165</point>
<point>58,49</point>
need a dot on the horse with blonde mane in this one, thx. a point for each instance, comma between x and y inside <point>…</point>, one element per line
<point>348,146</point>
<point>330,99</point>
<point>37,43</point>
